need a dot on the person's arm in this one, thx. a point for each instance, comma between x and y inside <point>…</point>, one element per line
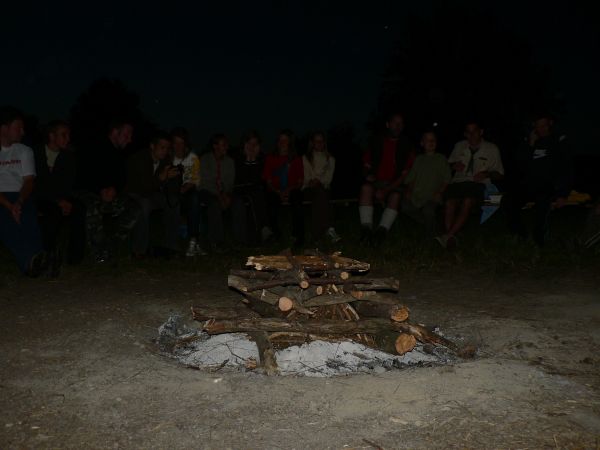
<point>495,171</point>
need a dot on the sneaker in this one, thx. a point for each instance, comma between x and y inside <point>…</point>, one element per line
<point>333,236</point>
<point>200,251</point>
<point>442,240</point>
<point>266,234</point>
<point>191,250</point>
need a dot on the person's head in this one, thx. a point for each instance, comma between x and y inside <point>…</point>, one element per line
<point>285,143</point>
<point>12,126</point>
<point>219,145</point>
<point>473,133</point>
<point>180,140</point>
<point>395,124</point>
<point>58,135</point>
<point>429,142</point>
<point>160,145</point>
<point>120,133</point>
<point>251,145</point>
<point>542,125</point>
<point>317,143</point>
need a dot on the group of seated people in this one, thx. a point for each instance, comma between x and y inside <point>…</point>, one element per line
<point>106,197</point>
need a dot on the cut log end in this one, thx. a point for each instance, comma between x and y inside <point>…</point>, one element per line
<point>405,343</point>
<point>319,290</point>
<point>344,275</point>
<point>399,313</point>
<point>304,284</point>
<point>285,304</point>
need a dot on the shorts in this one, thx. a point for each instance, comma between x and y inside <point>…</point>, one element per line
<point>465,189</point>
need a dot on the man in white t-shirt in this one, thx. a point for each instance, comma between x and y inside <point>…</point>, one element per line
<point>476,163</point>
<point>19,230</point>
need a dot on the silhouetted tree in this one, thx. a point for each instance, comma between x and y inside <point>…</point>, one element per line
<point>463,63</point>
<point>104,101</point>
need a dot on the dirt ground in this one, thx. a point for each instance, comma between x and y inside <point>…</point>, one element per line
<point>79,369</point>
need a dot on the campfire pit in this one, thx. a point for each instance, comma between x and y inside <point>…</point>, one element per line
<point>298,300</point>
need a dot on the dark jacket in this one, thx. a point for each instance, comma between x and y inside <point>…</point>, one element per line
<point>57,184</point>
<point>141,177</point>
<point>248,175</point>
<point>102,167</point>
<point>546,166</point>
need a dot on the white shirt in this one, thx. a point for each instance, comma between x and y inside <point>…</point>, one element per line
<point>16,162</point>
<point>486,159</point>
<point>321,169</point>
<point>51,156</point>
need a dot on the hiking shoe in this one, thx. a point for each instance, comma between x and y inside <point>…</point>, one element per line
<point>333,236</point>
<point>38,265</point>
<point>55,263</point>
<point>191,250</point>
<point>366,233</point>
<point>379,236</point>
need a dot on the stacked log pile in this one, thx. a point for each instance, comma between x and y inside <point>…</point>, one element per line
<point>297,299</point>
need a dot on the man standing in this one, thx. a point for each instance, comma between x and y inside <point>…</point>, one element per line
<point>386,166</point>
<point>56,172</point>
<point>148,175</point>
<point>19,230</point>
<point>476,163</point>
<point>544,176</point>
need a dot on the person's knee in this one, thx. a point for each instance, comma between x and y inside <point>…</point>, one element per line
<point>393,200</point>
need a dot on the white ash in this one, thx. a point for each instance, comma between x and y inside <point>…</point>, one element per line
<point>315,359</point>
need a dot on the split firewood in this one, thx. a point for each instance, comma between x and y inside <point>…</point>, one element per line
<point>306,263</point>
<point>405,343</point>
<point>397,312</point>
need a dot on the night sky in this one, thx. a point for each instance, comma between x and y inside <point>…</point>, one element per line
<point>266,65</point>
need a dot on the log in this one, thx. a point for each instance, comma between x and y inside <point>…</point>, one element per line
<point>201,313</point>
<point>285,304</point>
<point>265,351</point>
<point>324,326</point>
<point>405,343</point>
<point>262,307</point>
<point>307,263</point>
<point>251,274</point>
<point>396,312</point>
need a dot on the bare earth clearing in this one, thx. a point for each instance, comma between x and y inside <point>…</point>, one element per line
<point>79,369</point>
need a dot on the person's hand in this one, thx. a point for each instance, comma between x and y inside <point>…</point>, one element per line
<point>314,183</point>
<point>533,137</point>
<point>15,211</point>
<point>480,176</point>
<point>284,195</point>
<point>560,202</point>
<point>108,194</point>
<point>65,206</point>
<point>458,166</point>
<point>172,172</point>
<point>186,187</point>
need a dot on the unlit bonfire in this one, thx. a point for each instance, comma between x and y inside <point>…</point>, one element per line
<point>313,315</point>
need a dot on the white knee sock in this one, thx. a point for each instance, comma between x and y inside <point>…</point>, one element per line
<point>366,215</point>
<point>387,218</point>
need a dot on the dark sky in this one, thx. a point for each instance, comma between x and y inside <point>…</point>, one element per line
<point>263,65</point>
